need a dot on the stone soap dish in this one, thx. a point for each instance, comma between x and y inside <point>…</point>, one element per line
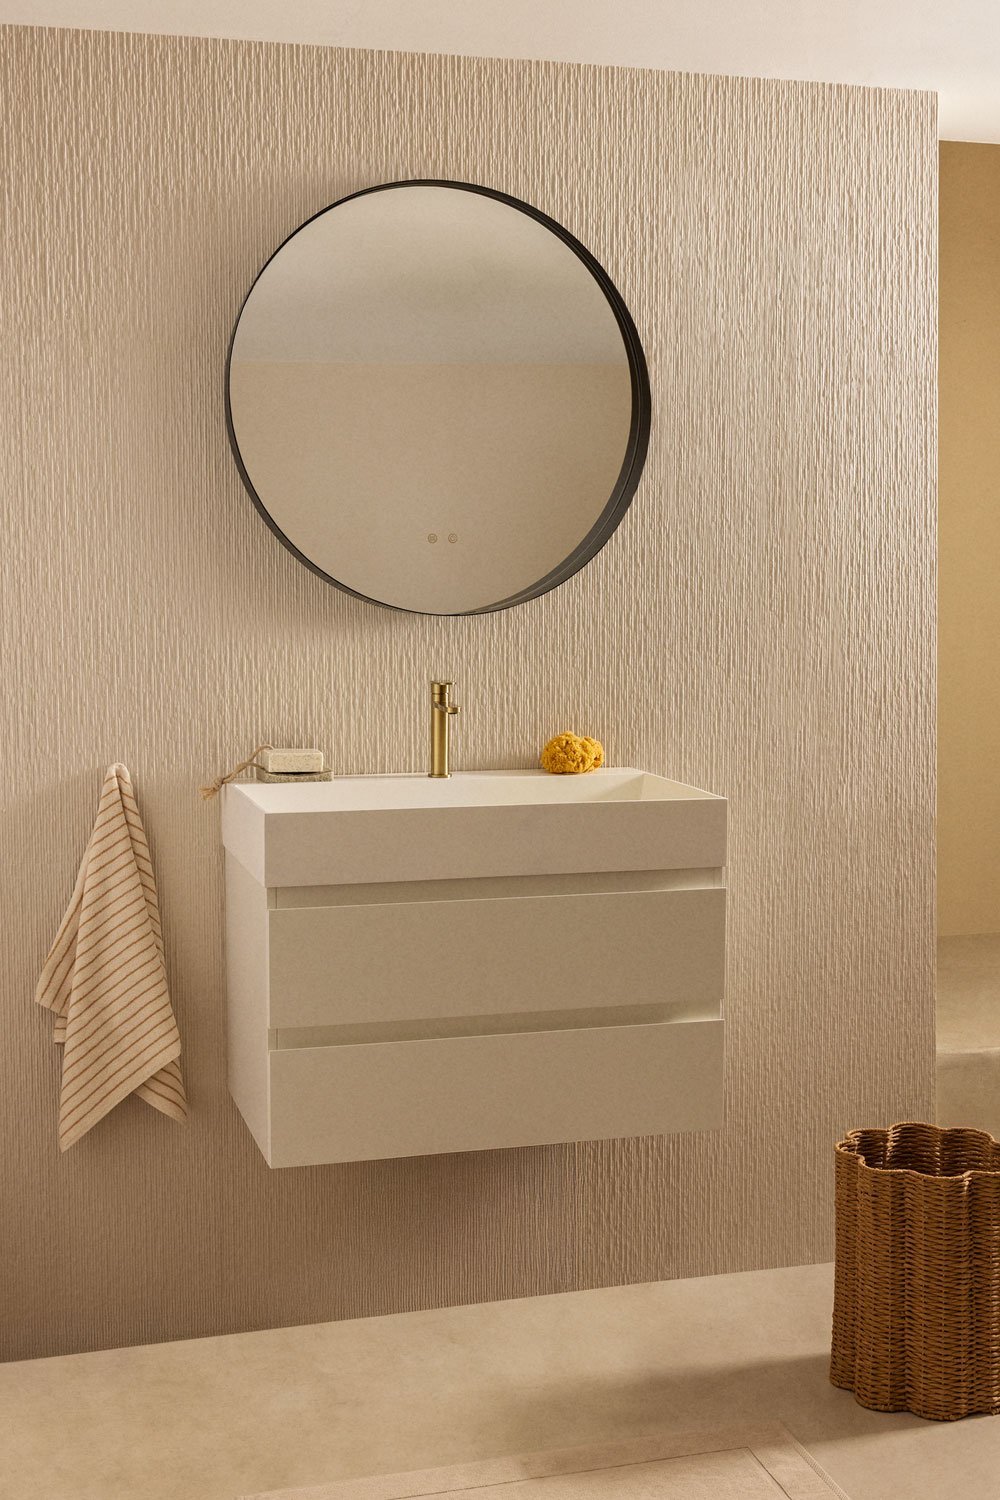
<point>294,775</point>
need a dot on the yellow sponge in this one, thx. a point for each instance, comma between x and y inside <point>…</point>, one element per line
<point>571,754</point>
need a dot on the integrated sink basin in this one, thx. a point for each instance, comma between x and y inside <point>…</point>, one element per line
<point>360,829</point>
<point>468,789</point>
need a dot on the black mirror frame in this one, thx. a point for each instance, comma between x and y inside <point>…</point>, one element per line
<point>639,426</point>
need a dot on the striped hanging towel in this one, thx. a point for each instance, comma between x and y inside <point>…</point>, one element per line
<point>105,981</point>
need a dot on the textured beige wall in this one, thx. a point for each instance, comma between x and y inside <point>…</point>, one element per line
<point>761,624</point>
<point>969,577</point>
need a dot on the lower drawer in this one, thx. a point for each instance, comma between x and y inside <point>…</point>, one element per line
<point>369,1101</point>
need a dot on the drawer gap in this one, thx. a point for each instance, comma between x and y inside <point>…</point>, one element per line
<point>364,1033</point>
<point>498,887</point>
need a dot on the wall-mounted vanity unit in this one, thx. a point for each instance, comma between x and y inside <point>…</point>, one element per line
<point>497,959</point>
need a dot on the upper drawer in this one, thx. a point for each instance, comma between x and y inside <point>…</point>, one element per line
<point>335,965</point>
<point>397,828</point>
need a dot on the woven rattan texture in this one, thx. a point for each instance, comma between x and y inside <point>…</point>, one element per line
<point>916,1320</point>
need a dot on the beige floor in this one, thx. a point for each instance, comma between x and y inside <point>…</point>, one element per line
<point>968,1033</point>
<point>208,1419</point>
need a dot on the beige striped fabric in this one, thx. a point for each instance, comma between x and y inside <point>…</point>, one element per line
<point>105,981</point>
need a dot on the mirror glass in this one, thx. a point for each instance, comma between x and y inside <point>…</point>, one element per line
<point>437,399</point>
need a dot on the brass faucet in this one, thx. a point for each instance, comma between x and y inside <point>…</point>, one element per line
<point>442,712</point>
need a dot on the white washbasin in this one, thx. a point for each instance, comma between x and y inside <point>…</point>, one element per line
<point>360,829</point>
<point>464,789</point>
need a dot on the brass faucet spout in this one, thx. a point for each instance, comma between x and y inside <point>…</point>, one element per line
<point>442,712</point>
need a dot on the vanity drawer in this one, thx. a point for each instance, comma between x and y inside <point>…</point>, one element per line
<point>338,965</point>
<point>415,1098</point>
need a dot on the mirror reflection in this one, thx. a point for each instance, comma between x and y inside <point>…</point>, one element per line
<point>437,399</point>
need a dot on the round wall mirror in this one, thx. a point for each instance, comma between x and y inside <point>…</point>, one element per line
<point>437,399</point>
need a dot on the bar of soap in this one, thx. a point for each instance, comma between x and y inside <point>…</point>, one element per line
<point>284,762</point>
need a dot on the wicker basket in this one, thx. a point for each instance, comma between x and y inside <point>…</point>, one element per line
<point>916,1316</point>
